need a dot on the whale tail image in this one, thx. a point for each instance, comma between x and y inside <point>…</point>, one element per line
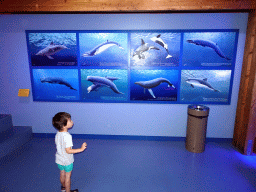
<point>168,56</point>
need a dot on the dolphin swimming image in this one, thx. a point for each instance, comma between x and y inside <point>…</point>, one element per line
<point>51,49</point>
<point>201,83</point>
<point>100,48</point>
<point>99,82</point>
<point>153,83</point>
<point>210,44</point>
<point>142,48</point>
<point>159,41</point>
<point>56,80</point>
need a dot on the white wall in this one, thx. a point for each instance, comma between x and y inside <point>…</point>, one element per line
<point>108,118</point>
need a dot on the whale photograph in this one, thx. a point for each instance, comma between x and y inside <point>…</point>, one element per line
<point>205,86</point>
<point>209,49</point>
<point>55,84</point>
<point>103,49</point>
<point>52,49</point>
<point>104,84</point>
<point>154,85</point>
<point>155,49</point>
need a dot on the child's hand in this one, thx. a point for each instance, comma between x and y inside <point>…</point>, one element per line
<point>84,146</point>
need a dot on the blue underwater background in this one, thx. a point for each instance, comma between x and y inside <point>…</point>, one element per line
<point>218,79</point>
<point>187,61</point>
<point>113,56</point>
<point>39,41</point>
<point>105,93</point>
<point>196,55</point>
<point>162,92</point>
<point>156,57</point>
<point>55,92</point>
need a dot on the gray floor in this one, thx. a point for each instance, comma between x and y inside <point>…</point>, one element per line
<point>132,166</point>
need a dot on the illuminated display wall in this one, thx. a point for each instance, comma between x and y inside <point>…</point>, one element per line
<point>177,66</point>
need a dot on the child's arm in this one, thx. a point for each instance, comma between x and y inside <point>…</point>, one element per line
<point>72,151</point>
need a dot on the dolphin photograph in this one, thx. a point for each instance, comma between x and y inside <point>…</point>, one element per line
<point>52,49</point>
<point>103,49</point>
<point>210,49</point>
<point>104,84</point>
<point>200,83</point>
<point>55,84</point>
<point>157,85</point>
<point>205,86</point>
<point>155,49</point>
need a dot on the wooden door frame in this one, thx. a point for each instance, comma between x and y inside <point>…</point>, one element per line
<point>245,123</point>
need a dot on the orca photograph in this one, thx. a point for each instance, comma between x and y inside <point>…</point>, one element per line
<point>209,49</point>
<point>103,49</point>
<point>154,85</point>
<point>52,49</point>
<point>55,84</point>
<point>155,49</point>
<point>205,85</point>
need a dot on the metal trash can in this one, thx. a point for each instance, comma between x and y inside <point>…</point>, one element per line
<point>196,128</point>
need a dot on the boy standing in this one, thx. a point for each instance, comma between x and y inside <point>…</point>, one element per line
<point>64,155</point>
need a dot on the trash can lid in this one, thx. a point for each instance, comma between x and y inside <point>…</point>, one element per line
<point>198,107</point>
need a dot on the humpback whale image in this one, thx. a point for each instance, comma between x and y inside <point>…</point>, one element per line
<point>159,41</point>
<point>51,49</point>
<point>96,87</point>
<point>142,48</point>
<point>201,83</point>
<point>153,83</point>
<point>56,80</point>
<point>210,44</point>
<point>100,48</point>
<point>99,82</point>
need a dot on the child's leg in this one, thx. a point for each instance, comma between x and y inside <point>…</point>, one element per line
<point>68,181</point>
<point>62,178</point>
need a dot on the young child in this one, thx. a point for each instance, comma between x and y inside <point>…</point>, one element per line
<point>64,155</point>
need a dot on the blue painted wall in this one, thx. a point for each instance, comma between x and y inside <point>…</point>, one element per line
<point>107,118</point>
